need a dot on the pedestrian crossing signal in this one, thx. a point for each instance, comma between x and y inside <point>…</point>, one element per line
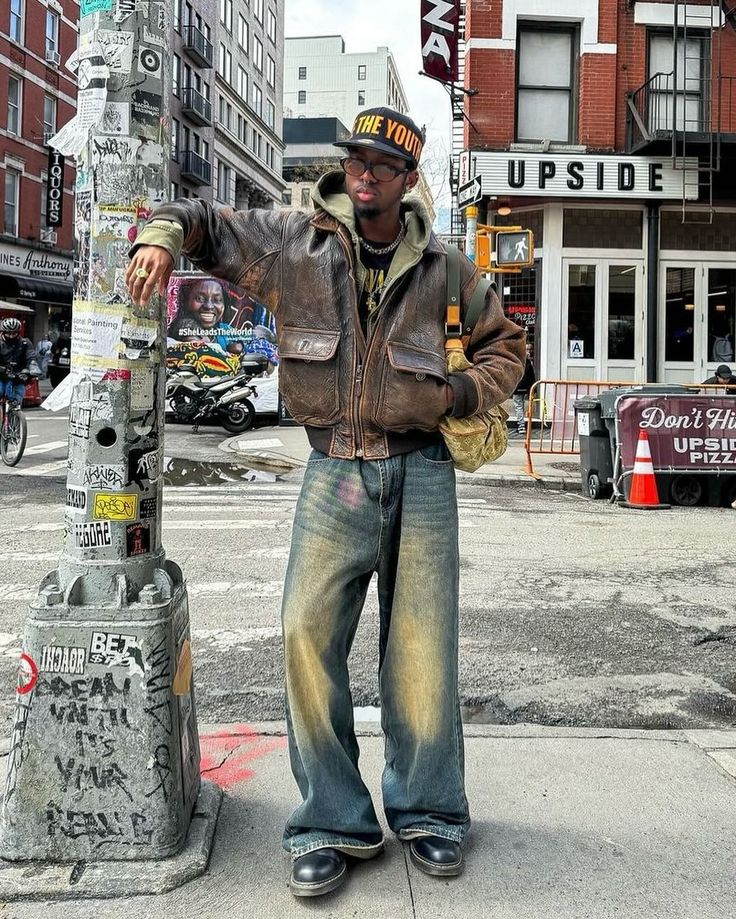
<point>514,248</point>
<point>483,251</point>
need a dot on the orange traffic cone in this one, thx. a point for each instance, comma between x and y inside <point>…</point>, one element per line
<point>643,494</point>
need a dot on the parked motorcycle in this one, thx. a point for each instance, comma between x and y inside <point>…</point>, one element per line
<point>218,400</point>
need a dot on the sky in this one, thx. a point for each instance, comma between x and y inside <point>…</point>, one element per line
<point>368,24</point>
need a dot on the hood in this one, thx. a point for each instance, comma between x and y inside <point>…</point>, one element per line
<point>329,194</point>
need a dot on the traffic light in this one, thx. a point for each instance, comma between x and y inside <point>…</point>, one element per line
<point>514,248</point>
<point>483,251</point>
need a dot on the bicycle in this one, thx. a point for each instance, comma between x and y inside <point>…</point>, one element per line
<point>13,425</point>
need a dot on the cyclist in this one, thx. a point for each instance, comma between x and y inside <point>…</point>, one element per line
<point>16,357</point>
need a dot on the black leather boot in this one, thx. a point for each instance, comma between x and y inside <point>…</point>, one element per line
<point>317,873</point>
<point>437,856</point>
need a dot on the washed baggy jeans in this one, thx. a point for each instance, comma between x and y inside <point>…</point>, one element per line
<point>397,517</point>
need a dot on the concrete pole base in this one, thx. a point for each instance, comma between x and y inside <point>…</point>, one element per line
<point>104,880</point>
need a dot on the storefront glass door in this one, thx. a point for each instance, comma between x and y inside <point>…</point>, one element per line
<point>602,320</point>
<point>698,321</point>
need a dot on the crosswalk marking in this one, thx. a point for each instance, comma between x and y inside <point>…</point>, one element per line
<point>45,448</point>
<point>46,469</point>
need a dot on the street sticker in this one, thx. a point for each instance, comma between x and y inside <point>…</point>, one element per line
<point>114,507</point>
<point>92,535</point>
<point>148,508</point>
<point>111,649</point>
<point>99,475</point>
<point>138,536</point>
<point>76,498</point>
<point>62,659</point>
<point>80,418</point>
<point>27,674</point>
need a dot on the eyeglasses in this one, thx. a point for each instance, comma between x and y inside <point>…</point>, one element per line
<point>381,172</point>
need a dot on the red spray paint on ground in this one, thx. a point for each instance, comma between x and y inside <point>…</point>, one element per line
<point>227,755</point>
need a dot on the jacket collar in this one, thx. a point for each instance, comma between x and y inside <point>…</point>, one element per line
<point>334,209</point>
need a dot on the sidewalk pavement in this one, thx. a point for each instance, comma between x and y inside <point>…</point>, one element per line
<point>567,824</point>
<point>289,446</point>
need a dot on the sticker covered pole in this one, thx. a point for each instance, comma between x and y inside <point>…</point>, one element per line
<point>104,762</point>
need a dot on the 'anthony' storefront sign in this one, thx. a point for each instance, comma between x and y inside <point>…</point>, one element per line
<point>583,176</point>
<point>34,274</point>
<point>685,432</point>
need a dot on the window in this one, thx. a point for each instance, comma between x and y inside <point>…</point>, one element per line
<point>302,73</point>
<point>545,103</point>
<point>49,115</point>
<point>176,75</point>
<point>174,138</point>
<point>258,7</point>
<point>581,311</point>
<point>270,114</point>
<point>243,34</point>
<point>257,100</point>
<point>621,312</point>
<point>361,71</point>
<point>691,78</point>
<point>205,150</point>
<point>258,53</point>
<point>270,71</point>
<point>177,15</point>
<point>226,114</point>
<point>44,200</point>
<point>16,21</point>
<point>187,77</point>
<point>286,196</point>
<point>13,105</point>
<point>242,84</point>
<point>361,97</point>
<point>271,26</point>
<point>224,173</point>
<point>226,14</point>
<point>52,31</point>
<point>306,199</point>
<point>225,68</point>
<point>302,97</point>
<point>12,181</point>
<point>173,191</point>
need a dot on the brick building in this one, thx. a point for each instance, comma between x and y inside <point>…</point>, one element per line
<point>37,95</point>
<point>609,128</point>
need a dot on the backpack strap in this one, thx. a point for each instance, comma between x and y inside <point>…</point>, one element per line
<point>457,325</point>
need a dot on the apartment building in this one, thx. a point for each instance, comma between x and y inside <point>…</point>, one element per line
<point>192,92</point>
<point>248,116</point>
<point>322,81</point>
<point>609,128</point>
<point>37,95</point>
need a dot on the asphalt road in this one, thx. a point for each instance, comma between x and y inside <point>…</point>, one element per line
<point>572,612</point>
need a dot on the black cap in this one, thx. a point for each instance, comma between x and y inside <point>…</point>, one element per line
<point>387,131</point>
<point>723,371</point>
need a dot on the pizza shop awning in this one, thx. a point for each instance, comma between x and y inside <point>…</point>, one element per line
<point>14,307</point>
<point>36,289</point>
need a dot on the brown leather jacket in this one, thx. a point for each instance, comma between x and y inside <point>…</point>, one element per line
<point>356,397</point>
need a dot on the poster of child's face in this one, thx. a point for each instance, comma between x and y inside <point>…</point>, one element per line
<point>212,323</point>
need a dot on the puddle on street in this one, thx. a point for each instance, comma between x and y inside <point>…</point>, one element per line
<point>188,472</point>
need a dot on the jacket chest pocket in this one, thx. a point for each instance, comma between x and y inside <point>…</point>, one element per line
<point>308,374</point>
<point>412,391</point>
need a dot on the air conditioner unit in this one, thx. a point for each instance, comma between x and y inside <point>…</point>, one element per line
<point>53,57</point>
<point>48,235</point>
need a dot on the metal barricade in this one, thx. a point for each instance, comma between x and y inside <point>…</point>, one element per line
<point>553,402</point>
<point>552,407</point>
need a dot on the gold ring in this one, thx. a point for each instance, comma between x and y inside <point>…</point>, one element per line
<point>141,273</point>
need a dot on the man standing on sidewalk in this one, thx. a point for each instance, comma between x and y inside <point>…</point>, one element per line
<point>358,289</point>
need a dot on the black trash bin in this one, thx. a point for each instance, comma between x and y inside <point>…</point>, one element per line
<point>596,450</point>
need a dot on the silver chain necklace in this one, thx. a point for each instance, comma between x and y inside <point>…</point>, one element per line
<point>383,250</point>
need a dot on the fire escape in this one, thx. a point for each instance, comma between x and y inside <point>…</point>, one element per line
<point>688,112</point>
